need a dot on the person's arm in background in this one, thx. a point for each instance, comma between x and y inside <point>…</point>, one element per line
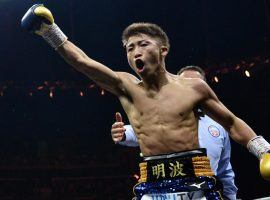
<point>123,134</point>
<point>130,137</point>
<point>215,139</point>
<point>225,172</point>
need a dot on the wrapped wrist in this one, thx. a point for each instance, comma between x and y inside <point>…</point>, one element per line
<point>258,146</point>
<point>54,36</point>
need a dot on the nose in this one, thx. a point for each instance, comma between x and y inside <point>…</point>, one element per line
<point>137,53</point>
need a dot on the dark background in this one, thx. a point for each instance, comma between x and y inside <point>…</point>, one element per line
<point>60,147</point>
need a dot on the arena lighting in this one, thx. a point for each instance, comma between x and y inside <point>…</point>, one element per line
<point>216,79</point>
<point>237,67</point>
<point>40,87</point>
<point>81,89</point>
<point>247,73</point>
<point>102,92</point>
<point>51,94</point>
<point>81,94</point>
<point>91,86</point>
<point>252,64</point>
<point>136,176</point>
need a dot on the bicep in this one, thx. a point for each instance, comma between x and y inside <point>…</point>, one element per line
<point>214,108</point>
<point>99,73</point>
<point>103,76</point>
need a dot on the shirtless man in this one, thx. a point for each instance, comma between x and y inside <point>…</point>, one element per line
<point>211,136</point>
<point>161,107</point>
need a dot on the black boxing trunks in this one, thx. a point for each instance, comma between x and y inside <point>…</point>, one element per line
<point>178,176</point>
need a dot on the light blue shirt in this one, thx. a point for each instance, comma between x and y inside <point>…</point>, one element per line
<point>215,139</point>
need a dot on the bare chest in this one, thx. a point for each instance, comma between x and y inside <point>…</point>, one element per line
<point>169,103</point>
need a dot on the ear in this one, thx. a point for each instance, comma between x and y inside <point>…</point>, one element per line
<point>164,50</point>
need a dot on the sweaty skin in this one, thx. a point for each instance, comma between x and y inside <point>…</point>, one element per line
<point>161,107</point>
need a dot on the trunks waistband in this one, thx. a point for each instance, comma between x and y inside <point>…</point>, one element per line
<point>184,164</point>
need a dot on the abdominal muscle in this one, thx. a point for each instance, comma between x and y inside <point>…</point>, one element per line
<point>163,120</point>
<point>162,138</point>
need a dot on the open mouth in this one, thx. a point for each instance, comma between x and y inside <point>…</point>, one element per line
<point>139,65</point>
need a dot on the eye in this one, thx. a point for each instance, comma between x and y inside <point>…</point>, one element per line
<point>129,49</point>
<point>144,44</point>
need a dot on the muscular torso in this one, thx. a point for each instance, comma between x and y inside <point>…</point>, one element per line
<point>163,120</point>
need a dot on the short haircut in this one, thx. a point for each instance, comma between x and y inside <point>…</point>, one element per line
<point>193,68</point>
<point>148,29</point>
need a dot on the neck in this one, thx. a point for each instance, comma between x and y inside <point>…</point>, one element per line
<point>156,80</point>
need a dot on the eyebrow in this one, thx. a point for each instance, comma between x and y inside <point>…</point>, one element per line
<point>139,41</point>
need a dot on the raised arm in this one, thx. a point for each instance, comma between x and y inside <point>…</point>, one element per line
<point>39,19</point>
<point>102,75</point>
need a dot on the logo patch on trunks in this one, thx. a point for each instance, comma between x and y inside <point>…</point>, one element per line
<point>195,195</point>
<point>214,131</point>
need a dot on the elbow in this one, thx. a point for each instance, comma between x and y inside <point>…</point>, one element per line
<point>230,123</point>
<point>231,127</point>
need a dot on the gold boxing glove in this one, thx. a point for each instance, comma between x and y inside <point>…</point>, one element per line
<point>259,147</point>
<point>265,166</point>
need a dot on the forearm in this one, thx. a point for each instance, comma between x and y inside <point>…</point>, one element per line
<point>241,132</point>
<point>73,56</point>
<point>69,48</point>
<point>244,135</point>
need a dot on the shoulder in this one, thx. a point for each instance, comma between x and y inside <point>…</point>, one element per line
<point>124,76</point>
<point>197,86</point>
<point>128,80</point>
<point>195,83</point>
<point>128,83</point>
